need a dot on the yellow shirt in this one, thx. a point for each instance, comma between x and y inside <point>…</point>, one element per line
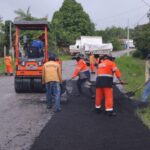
<point>51,72</point>
<point>92,59</point>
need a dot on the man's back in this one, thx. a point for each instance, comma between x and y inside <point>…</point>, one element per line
<point>51,72</point>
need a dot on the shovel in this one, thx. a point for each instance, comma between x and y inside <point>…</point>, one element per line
<point>132,93</point>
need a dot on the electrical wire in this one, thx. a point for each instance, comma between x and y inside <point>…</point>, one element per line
<point>122,13</point>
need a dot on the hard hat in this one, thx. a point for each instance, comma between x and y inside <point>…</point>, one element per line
<point>51,56</point>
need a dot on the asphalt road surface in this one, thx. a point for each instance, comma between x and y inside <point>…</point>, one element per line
<point>78,127</point>
<point>23,116</point>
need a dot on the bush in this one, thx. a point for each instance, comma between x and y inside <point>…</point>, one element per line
<point>137,54</point>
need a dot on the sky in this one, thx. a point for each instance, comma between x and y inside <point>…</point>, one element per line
<point>103,13</point>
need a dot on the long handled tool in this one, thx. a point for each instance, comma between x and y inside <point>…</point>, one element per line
<point>132,93</point>
<point>120,83</point>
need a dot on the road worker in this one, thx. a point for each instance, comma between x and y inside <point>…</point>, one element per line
<point>97,59</point>
<point>8,65</point>
<point>51,76</point>
<point>92,63</point>
<point>144,101</point>
<point>104,83</point>
<point>83,72</point>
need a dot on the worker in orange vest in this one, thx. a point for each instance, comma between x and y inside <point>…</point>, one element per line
<point>104,82</point>
<point>8,65</point>
<point>83,72</point>
<point>92,63</point>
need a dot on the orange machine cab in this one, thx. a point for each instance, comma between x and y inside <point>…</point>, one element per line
<point>28,74</point>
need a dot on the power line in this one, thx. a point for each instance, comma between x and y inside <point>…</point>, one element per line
<point>140,19</point>
<point>146,3</point>
<point>119,14</point>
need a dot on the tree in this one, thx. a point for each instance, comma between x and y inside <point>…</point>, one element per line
<point>142,39</point>
<point>22,15</point>
<point>70,22</point>
<point>1,36</point>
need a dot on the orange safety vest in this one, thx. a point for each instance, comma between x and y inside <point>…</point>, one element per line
<point>8,63</point>
<point>81,67</point>
<point>105,72</point>
<point>8,60</point>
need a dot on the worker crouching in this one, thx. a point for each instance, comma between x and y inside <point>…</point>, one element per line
<point>8,65</point>
<point>104,83</point>
<point>83,72</point>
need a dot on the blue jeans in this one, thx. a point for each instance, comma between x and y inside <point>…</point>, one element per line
<point>53,93</point>
<point>146,92</point>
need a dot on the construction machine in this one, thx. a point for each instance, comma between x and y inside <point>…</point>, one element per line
<point>30,58</point>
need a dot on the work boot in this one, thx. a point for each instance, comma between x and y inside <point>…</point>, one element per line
<point>140,104</point>
<point>98,110</point>
<point>111,113</point>
<point>49,106</point>
<point>93,97</point>
<point>57,110</point>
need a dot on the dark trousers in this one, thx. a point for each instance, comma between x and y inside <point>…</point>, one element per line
<point>79,86</point>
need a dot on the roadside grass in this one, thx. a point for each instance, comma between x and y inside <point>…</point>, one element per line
<point>2,66</point>
<point>65,57</point>
<point>133,72</point>
<point>144,115</point>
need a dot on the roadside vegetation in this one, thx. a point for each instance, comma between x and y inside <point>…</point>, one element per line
<point>65,57</point>
<point>2,66</point>
<point>133,72</point>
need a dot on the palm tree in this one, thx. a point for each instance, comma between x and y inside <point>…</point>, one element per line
<point>22,15</point>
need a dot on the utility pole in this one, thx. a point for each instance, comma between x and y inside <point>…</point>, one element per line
<point>128,35</point>
<point>10,36</point>
<point>11,50</point>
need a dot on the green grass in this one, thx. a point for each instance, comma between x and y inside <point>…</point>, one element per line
<point>2,65</point>
<point>65,57</point>
<point>133,72</point>
<point>144,115</point>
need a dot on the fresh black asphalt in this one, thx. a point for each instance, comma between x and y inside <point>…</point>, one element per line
<point>78,127</point>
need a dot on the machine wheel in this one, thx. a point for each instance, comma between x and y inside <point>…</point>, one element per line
<point>18,85</point>
<point>38,86</point>
<point>22,85</point>
<point>26,85</point>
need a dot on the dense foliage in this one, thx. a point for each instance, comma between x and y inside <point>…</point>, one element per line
<point>70,22</point>
<point>113,35</point>
<point>142,39</point>
<point>1,36</point>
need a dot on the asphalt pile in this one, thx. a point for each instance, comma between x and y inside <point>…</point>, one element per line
<point>78,127</point>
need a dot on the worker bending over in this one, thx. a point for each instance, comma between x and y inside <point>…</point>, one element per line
<point>8,65</point>
<point>51,76</point>
<point>83,72</point>
<point>92,63</point>
<point>104,83</point>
